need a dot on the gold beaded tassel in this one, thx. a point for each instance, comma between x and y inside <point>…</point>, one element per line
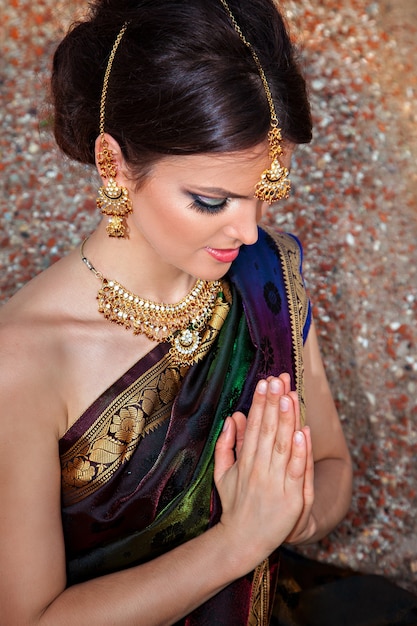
<point>274,184</point>
<point>112,200</point>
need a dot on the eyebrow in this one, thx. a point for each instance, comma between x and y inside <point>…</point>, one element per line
<point>217,192</point>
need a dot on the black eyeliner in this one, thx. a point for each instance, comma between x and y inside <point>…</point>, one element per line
<point>204,207</point>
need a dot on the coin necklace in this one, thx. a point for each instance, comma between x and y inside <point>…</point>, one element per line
<point>180,324</point>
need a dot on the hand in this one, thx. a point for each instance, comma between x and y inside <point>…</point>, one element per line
<point>306,525</point>
<point>260,468</point>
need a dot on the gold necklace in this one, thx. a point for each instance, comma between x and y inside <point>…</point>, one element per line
<point>180,324</point>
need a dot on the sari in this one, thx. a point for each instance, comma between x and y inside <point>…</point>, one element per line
<point>137,466</point>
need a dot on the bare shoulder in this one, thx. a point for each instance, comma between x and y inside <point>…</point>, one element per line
<point>34,326</point>
<point>57,353</point>
<point>29,396</point>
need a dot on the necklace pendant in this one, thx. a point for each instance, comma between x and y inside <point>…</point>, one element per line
<point>187,339</point>
<point>184,346</point>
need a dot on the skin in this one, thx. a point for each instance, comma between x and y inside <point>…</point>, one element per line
<point>51,341</point>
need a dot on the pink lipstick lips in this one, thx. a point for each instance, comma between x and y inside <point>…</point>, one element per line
<point>223,256</point>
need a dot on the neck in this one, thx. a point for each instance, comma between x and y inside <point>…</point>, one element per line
<point>137,268</point>
<point>181,321</point>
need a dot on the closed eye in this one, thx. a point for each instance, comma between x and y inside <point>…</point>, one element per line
<point>206,204</point>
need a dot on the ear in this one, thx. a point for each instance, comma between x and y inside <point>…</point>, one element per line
<point>117,156</point>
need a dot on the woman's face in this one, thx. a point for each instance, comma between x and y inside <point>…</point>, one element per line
<point>194,212</point>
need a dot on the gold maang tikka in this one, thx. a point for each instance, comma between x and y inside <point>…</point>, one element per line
<point>112,200</point>
<point>275,183</point>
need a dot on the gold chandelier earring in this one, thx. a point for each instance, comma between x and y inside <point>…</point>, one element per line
<point>112,200</point>
<point>275,183</point>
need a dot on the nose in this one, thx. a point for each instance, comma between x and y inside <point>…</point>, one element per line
<point>244,224</point>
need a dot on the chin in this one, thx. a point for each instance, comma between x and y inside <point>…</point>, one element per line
<point>213,275</point>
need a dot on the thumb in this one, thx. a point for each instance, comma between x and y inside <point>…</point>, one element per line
<point>224,452</point>
<point>240,423</point>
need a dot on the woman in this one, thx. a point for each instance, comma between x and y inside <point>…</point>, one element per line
<point>176,419</point>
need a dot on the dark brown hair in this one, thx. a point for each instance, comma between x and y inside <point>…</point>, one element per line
<point>182,81</point>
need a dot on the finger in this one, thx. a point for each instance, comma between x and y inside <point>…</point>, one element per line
<point>270,420</point>
<point>306,522</point>
<point>285,431</point>
<point>296,402</point>
<point>240,423</point>
<point>296,468</point>
<point>286,379</point>
<point>224,452</point>
<point>309,473</point>
<point>253,424</point>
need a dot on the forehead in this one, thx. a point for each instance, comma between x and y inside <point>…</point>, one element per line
<point>241,168</point>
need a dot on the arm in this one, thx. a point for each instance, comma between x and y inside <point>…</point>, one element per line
<point>34,593</point>
<point>328,494</point>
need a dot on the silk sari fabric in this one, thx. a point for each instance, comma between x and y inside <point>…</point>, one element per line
<point>137,466</point>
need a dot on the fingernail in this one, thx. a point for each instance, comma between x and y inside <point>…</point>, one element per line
<point>275,385</point>
<point>284,403</point>
<point>298,437</point>
<point>262,387</point>
<point>226,424</point>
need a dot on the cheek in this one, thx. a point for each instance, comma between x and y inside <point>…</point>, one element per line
<point>177,218</point>
<point>169,227</point>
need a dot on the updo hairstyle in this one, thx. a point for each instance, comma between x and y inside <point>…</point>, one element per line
<point>182,81</point>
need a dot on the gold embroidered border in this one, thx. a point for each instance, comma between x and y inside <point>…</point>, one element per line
<point>215,323</point>
<point>113,437</point>
<point>298,304</point>
<point>138,410</point>
<point>259,608</point>
<point>298,307</point>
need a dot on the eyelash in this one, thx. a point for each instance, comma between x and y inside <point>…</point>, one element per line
<point>204,207</point>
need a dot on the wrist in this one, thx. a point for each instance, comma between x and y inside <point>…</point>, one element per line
<point>309,533</point>
<point>238,553</point>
